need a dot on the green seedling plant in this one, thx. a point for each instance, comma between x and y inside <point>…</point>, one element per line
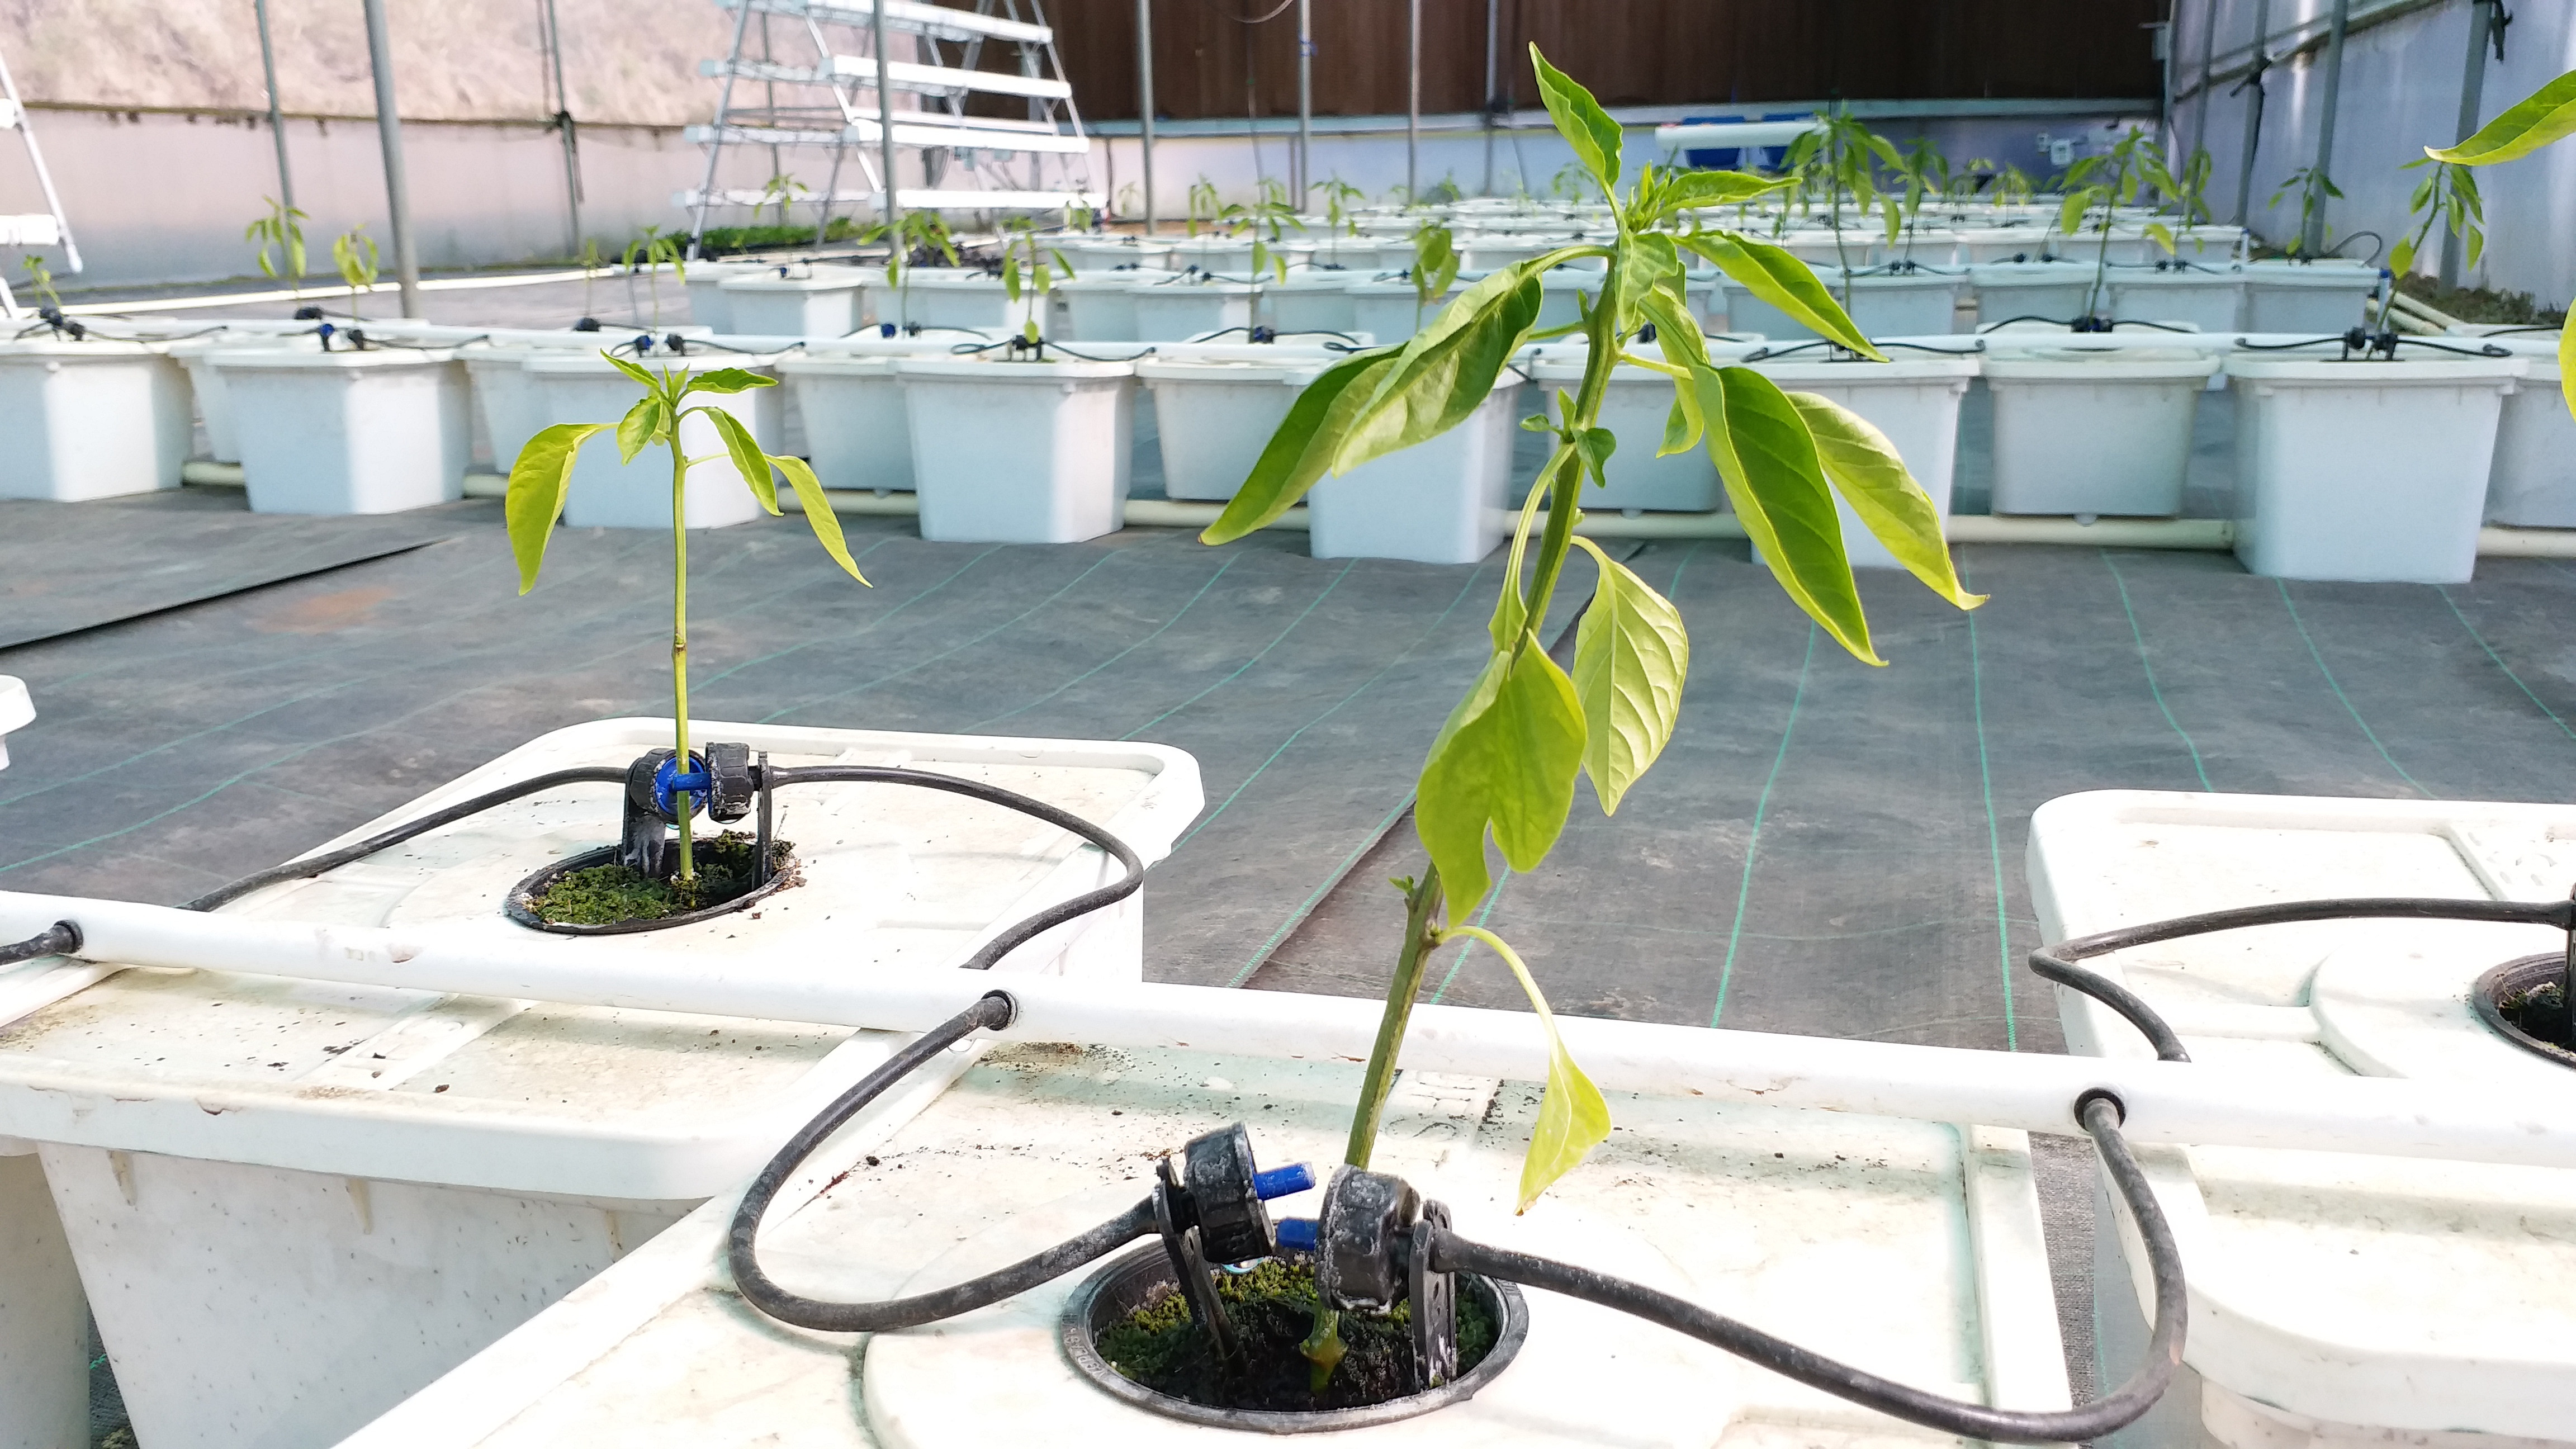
<point>590,262</point>
<point>2315,189</point>
<point>912,234</point>
<point>1926,175</point>
<point>280,235</point>
<point>1022,238</point>
<point>1435,264</point>
<point>1342,202</point>
<point>2446,198</point>
<point>1504,766</point>
<point>653,251</point>
<point>2095,187</point>
<point>2545,116</point>
<point>40,281</point>
<point>542,476</point>
<point>1204,205</point>
<point>780,190</point>
<point>1841,158</point>
<point>354,253</point>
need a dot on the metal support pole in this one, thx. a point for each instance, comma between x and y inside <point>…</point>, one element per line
<point>564,126</point>
<point>2200,98</point>
<point>276,121</point>
<point>2314,240</point>
<point>2473,84</point>
<point>1493,81</point>
<point>2253,109</point>
<point>891,212</point>
<point>380,58</point>
<point>1145,106</point>
<point>1305,97</point>
<point>1413,100</point>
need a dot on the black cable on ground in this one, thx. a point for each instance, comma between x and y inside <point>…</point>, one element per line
<point>2100,1114</point>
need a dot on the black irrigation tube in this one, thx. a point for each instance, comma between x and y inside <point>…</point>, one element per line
<point>2071,325</point>
<point>1769,354</point>
<point>2361,339</point>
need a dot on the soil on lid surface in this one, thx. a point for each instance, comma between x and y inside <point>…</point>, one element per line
<point>607,894</point>
<point>1273,1309</point>
<point>2540,1011</point>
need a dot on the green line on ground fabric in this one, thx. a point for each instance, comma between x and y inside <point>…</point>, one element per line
<point>1247,664</point>
<point>1687,554</point>
<point>921,664</point>
<point>1484,914</point>
<point>1753,842</point>
<point>1994,834</point>
<point>1121,654</point>
<point>2138,637</point>
<point>1209,818</point>
<point>868,628</point>
<point>2337,686</point>
<point>1295,917</point>
<point>2500,664</point>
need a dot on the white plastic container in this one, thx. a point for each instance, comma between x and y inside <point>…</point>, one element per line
<point>1178,309</point>
<point>1987,245</point>
<point>807,302</point>
<point>1216,416</point>
<point>1019,452</point>
<point>2211,299</point>
<point>709,306</point>
<point>1914,401</point>
<point>938,297</point>
<point>2365,471</point>
<point>1634,408</point>
<point>2094,433</point>
<point>1100,306</point>
<point>1314,301</point>
<point>857,434</point>
<point>608,493</point>
<point>2335,1300</point>
<point>293,1205</point>
<point>2533,483</point>
<point>90,419</point>
<point>1440,501</point>
<point>2053,291</point>
<point>1785,1219</point>
<point>348,432</point>
<point>1104,253</point>
<point>1909,304</point>
<point>17,712</point>
<point>2325,298</point>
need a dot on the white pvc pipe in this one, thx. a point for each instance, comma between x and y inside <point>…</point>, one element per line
<point>2166,1102</point>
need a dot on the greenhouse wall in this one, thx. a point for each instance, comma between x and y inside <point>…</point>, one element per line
<point>2402,68</point>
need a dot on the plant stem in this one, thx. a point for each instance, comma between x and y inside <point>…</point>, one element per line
<point>1421,928</point>
<point>680,639</point>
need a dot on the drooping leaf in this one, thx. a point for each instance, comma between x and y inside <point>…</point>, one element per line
<point>1506,760</point>
<point>1864,467</point>
<point>1586,127</point>
<point>1572,1117</point>
<point>818,512</point>
<point>1767,459</point>
<point>2162,235</point>
<point>1435,385</point>
<point>641,425</point>
<point>1773,275</point>
<point>538,481</point>
<point>1303,448</point>
<point>1631,655</point>
<point>2538,119</point>
<point>726,379</point>
<point>1011,278</point>
<point>1594,446</point>
<point>748,459</point>
<point>2401,257</point>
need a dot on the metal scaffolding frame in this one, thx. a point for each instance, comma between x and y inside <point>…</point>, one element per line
<point>818,84</point>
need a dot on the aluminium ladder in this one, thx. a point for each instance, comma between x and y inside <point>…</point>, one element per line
<point>45,228</point>
<point>1040,162</point>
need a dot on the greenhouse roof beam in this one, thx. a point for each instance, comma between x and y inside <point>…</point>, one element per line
<point>935,21</point>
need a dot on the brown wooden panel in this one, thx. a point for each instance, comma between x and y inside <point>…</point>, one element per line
<point>1220,58</point>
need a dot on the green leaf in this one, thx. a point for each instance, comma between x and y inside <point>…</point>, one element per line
<point>2070,212</point>
<point>1715,188</point>
<point>748,459</point>
<point>1631,655</point>
<point>1011,278</point>
<point>1594,446</point>
<point>1506,760</point>
<point>1644,264</point>
<point>726,379</point>
<point>1303,448</point>
<point>1863,466</point>
<point>631,370</point>
<point>818,513</point>
<point>1511,610</point>
<point>1445,373</point>
<point>1773,275</point>
<point>2401,257</point>
<point>1586,127</point>
<point>641,425</point>
<point>538,481</point>
<point>1572,1117</point>
<point>2162,235</point>
<point>1767,459</point>
<point>2540,118</point>
<point>2567,367</point>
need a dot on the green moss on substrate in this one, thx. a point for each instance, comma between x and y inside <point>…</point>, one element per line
<point>605,895</point>
<point>1273,1309</point>
<point>2540,1011</point>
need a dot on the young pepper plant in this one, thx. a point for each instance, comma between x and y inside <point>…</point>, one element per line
<point>542,476</point>
<point>2096,187</point>
<point>2546,115</point>
<point>1504,765</point>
